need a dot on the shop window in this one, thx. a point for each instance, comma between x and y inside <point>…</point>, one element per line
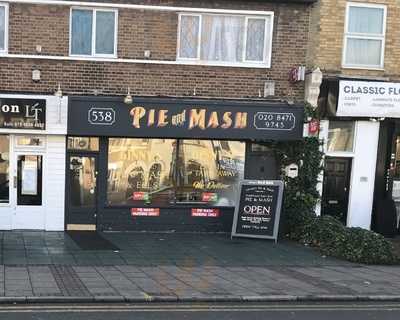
<point>29,180</point>
<point>225,39</point>
<point>4,169</point>
<point>93,32</point>
<point>341,136</point>
<point>3,27</point>
<point>29,141</point>
<point>365,36</point>
<point>140,171</point>
<point>209,171</point>
<point>83,143</point>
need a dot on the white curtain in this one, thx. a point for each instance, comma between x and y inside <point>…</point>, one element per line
<point>2,28</point>
<point>105,31</point>
<point>81,41</point>
<point>365,20</point>
<point>222,38</point>
<point>255,39</point>
<point>363,52</point>
<point>189,34</point>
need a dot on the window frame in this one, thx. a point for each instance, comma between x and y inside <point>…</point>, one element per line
<point>6,19</point>
<point>268,35</point>
<point>341,153</point>
<point>365,36</point>
<point>93,44</point>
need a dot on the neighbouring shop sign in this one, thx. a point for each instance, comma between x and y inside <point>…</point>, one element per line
<point>258,208</point>
<point>23,113</point>
<point>368,99</point>
<point>184,118</point>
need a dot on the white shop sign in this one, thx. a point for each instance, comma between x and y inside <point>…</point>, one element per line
<point>369,99</point>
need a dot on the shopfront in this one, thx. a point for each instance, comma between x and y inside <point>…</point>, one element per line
<point>362,134</point>
<point>167,164</point>
<point>32,153</point>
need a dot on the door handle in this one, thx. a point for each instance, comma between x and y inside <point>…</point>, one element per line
<point>15,182</point>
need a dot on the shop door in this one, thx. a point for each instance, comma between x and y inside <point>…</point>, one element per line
<point>81,192</point>
<point>335,195</point>
<point>28,192</point>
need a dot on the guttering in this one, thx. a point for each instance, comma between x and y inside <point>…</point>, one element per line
<point>137,6</point>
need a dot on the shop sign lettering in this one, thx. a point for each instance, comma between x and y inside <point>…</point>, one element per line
<point>184,118</point>
<point>23,113</point>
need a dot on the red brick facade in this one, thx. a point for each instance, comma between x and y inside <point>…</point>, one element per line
<point>140,30</point>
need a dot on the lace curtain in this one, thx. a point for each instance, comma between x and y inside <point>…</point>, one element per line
<point>81,32</point>
<point>2,28</point>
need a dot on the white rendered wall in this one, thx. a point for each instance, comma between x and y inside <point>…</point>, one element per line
<point>363,174</point>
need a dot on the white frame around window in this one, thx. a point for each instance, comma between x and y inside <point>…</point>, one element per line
<point>268,18</point>
<point>5,50</point>
<point>379,37</point>
<point>93,53</point>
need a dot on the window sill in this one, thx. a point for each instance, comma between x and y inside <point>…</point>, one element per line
<point>97,56</point>
<point>194,62</point>
<point>361,67</point>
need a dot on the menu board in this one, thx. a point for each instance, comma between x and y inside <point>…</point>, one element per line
<point>258,209</point>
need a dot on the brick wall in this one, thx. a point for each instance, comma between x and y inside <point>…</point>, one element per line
<point>139,30</point>
<point>327,24</point>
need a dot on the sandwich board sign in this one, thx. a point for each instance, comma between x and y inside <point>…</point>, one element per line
<point>258,209</point>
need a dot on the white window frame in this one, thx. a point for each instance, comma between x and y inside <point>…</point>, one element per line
<point>268,18</point>
<point>367,36</point>
<point>93,53</point>
<point>5,50</point>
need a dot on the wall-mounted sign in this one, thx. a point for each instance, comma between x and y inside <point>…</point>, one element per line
<point>145,212</point>
<point>205,212</point>
<point>369,99</point>
<point>258,209</point>
<point>184,118</point>
<point>23,113</point>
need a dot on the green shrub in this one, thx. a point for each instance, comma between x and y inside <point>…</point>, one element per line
<point>365,246</point>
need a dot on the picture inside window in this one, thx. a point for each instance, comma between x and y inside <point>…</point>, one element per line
<point>4,169</point>
<point>164,172</point>
<point>365,36</point>
<point>224,38</point>
<point>88,25</point>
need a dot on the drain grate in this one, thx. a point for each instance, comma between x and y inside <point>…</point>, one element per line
<point>68,281</point>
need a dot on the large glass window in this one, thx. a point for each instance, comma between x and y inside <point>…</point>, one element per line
<point>4,169</point>
<point>3,27</point>
<point>140,171</point>
<point>162,172</point>
<point>224,38</point>
<point>93,32</point>
<point>341,136</point>
<point>209,171</point>
<point>365,35</point>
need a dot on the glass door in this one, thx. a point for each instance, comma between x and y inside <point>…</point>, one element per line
<point>81,209</point>
<point>28,189</point>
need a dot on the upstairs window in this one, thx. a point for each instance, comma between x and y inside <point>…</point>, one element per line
<point>225,39</point>
<point>364,42</point>
<point>93,32</point>
<point>3,27</point>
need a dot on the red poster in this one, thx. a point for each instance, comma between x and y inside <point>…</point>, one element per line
<point>313,127</point>
<point>145,212</point>
<point>200,212</point>
<point>208,196</point>
<point>138,196</point>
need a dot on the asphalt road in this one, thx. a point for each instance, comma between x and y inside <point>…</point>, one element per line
<point>334,311</point>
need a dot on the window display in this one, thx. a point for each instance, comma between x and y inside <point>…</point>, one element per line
<point>4,169</point>
<point>139,171</point>
<point>163,172</point>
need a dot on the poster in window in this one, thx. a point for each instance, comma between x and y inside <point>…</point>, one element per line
<point>29,176</point>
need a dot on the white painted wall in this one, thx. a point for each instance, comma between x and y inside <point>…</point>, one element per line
<point>363,174</point>
<point>54,184</point>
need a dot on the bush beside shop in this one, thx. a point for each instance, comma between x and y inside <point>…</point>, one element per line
<point>326,232</point>
<point>352,244</point>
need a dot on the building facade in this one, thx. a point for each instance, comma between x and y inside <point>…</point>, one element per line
<point>355,44</point>
<point>167,105</point>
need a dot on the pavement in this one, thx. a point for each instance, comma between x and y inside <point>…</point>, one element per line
<point>170,267</point>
